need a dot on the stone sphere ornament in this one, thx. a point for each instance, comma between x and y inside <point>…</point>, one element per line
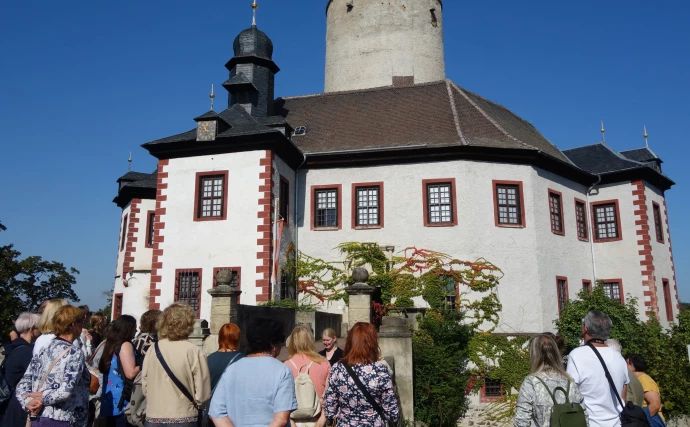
<point>360,275</point>
<point>224,277</point>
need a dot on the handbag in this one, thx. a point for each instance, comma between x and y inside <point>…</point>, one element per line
<point>180,386</point>
<point>632,415</point>
<point>96,375</point>
<point>205,421</point>
<point>45,377</point>
<point>367,395</point>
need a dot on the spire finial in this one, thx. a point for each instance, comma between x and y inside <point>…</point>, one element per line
<point>646,135</point>
<point>129,162</point>
<point>603,132</point>
<point>254,7</point>
<point>212,95</point>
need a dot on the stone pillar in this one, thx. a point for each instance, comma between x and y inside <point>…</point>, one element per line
<point>200,332</point>
<point>395,340</point>
<point>224,302</point>
<point>359,306</point>
<point>306,318</point>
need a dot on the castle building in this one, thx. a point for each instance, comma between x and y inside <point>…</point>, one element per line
<point>393,153</point>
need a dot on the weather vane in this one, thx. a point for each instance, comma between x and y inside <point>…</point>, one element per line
<point>603,132</point>
<point>129,162</point>
<point>646,135</point>
<point>254,7</point>
<point>212,95</point>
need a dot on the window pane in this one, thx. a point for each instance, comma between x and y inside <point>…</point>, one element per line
<point>367,205</point>
<point>508,204</point>
<point>326,209</point>
<point>439,203</point>
<point>581,220</point>
<point>187,289</point>
<point>562,294</point>
<point>606,221</point>
<point>612,290</point>
<point>556,218</point>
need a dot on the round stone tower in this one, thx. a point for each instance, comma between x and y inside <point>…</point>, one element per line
<point>374,43</point>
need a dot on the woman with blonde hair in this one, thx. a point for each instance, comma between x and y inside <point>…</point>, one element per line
<point>175,377</point>
<point>45,325</point>
<point>538,390</point>
<point>330,351</point>
<point>55,388</point>
<point>305,359</point>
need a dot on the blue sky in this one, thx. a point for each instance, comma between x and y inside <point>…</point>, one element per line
<point>85,82</point>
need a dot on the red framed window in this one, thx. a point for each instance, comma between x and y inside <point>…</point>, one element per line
<point>117,306</point>
<point>211,196</point>
<point>562,292</point>
<point>509,205</point>
<point>581,220</point>
<point>150,227</point>
<point>326,207</point>
<point>667,300</point>
<point>188,288</point>
<point>587,286</point>
<point>606,221</point>
<point>284,196</point>
<point>491,391</point>
<point>613,289</point>
<point>657,222</point>
<point>123,237</point>
<point>439,202</point>
<point>556,212</point>
<point>367,205</point>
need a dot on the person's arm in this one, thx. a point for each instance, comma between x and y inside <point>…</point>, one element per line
<point>285,400</point>
<point>280,419</point>
<point>624,394</point>
<point>202,379</point>
<point>24,385</point>
<point>389,403</point>
<point>653,399</point>
<point>223,422</point>
<point>218,410</point>
<point>330,399</point>
<point>129,365</point>
<point>70,367</point>
<point>524,406</point>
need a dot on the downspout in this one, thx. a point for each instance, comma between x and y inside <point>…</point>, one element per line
<point>592,230</point>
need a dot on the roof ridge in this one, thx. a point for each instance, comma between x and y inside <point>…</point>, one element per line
<point>638,149</point>
<point>456,118</point>
<point>491,120</point>
<point>373,89</point>
<point>620,156</point>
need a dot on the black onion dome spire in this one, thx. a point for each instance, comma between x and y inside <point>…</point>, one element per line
<point>253,42</point>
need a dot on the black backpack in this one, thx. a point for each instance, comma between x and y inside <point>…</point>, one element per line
<point>632,415</point>
<point>5,391</point>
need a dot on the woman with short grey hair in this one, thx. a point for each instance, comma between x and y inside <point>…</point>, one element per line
<point>17,359</point>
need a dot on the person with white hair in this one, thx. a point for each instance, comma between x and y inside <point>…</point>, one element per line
<point>635,389</point>
<point>17,359</point>
<point>584,367</point>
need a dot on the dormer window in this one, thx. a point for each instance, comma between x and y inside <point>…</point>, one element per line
<point>300,130</point>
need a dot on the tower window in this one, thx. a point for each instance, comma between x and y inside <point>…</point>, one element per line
<point>556,208</point>
<point>657,223</point>
<point>150,228</point>
<point>123,238</point>
<point>284,196</point>
<point>211,196</point>
<point>509,205</point>
<point>606,221</point>
<point>667,300</point>
<point>434,20</point>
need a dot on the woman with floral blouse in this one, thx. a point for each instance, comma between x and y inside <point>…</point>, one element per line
<point>344,401</point>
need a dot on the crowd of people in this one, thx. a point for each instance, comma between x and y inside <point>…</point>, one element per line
<point>596,377</point>
<point>66,367</point>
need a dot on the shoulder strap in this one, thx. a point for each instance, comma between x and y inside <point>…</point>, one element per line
<point>96,352</point>
<point>608,375</point>
<point>548,390</point>
<point>172,376</point>
<point>293,364</point>
<point>365,392</point>
<point>226,368</point>
<point>52,365</point>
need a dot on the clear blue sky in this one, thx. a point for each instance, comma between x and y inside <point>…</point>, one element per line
<point>85,82</point>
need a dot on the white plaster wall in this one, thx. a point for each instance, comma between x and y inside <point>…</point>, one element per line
<point>135,296</point>
<point>142,254</point>
<point>121,252</point>
<point>621,259</point>
<point>208,244</point>
<point>368,45</point>
<point>530,257</point>
<point>663,266</point>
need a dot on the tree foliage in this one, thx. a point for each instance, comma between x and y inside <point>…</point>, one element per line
<point>25,283</point>
<point>440,349</point>
<point>665,351</point>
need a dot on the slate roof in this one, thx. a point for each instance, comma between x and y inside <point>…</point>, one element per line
<point>641,155</point>
<point>138,180</point>
<point>600,158</point>
<point>438,114</point>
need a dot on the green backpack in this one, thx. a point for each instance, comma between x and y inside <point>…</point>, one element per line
<point>565,414</point>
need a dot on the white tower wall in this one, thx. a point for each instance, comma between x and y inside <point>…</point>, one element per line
<point>368,42</point>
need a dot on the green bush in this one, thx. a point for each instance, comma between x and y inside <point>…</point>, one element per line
<point>440,356</point>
